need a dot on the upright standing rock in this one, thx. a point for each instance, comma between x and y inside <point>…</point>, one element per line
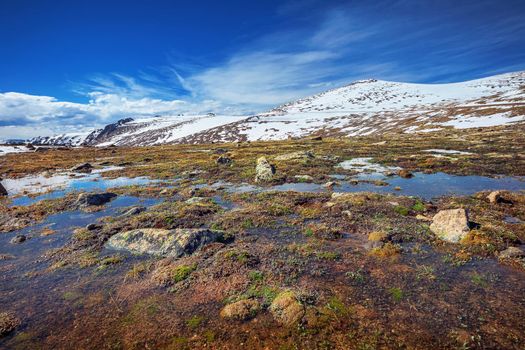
<point>450,225</point>
<point>264,171</point>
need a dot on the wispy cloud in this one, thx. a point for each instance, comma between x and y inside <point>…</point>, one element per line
<point>325,47</point>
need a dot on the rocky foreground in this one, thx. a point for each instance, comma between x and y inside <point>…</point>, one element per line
<point>218,253</point>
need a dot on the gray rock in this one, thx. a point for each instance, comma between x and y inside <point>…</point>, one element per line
<point>194,200</point>
<point>451,225</point>
<point>304,178</point>
<point>18,239</point>
<point>82,168</point>
<point>299,155</point>
<point>161,242</point>
<point>224,160</point>
<point>87,199</point>
<point>133,211</point>
<point>264,171</point>
<point>92,227</point>
<point>330,184</point>
<point>511,253</point>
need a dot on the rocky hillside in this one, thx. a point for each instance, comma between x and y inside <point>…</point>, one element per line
<point>362,108</point>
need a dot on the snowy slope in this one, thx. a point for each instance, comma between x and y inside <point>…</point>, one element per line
<point>73,139</point>
<point>375,107</point>
<point>361,108</point>
<point>158,130</point>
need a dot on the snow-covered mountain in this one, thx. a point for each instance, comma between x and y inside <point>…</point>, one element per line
<point>361,108</point>
<point>60,140</point>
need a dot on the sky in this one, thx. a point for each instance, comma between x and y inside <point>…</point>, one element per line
<point>70,66</point>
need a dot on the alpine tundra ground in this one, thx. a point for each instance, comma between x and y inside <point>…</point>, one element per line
<point>336,246</point>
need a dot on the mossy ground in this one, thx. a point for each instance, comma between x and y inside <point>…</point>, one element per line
<point>407,290</point>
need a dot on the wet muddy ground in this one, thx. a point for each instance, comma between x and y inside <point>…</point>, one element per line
<point>356,270</point>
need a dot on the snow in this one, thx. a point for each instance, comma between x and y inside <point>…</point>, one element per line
<point>13,149</point>
<point>446,151</point>
<point>362,108</point>
<point>362,165</point>
<point>465,122</point>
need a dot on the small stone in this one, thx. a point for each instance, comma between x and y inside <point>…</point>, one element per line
<point>8,323</point>
<point>496,197</point>
<point>304,178</point>
<point>348,214</point>
<point>330,184</point>
<point>451,225</point>
<point>18,239</point>
<point>511,253</point>
<point>422,217</point>
<point>87,199</point>
<point>224,160</point>
<point>241,310</point>
<point>92,227</point>
<point>405,174</point>
<point>82,168</point>
<point>133,211</point>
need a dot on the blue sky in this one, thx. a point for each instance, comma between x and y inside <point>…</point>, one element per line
<point>70,65</point>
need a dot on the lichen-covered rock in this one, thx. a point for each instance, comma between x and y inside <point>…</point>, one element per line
<point>87,199</point>
<point>8,323</point>
<point>299,155</point>
<point>161,242</point>
<point>241,310</point>
<point>286,309</point>
<point>512,253</point>
<point>451,225</point>
<point>264,171</point>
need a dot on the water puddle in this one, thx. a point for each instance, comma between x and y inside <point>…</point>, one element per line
<point>61,224</point>
<point>425,186</point>
<point>57,186</point>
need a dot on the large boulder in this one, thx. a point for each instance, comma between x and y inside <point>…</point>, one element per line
<point>287,309</point>
<point>88,199</point>
<point>299,155</point>
<point>451,225</point>
<point>264,171</point>
<point>161,242</point>
<point>241,310</point>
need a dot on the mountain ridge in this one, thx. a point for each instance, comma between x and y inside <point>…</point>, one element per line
<point>362,107</point>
